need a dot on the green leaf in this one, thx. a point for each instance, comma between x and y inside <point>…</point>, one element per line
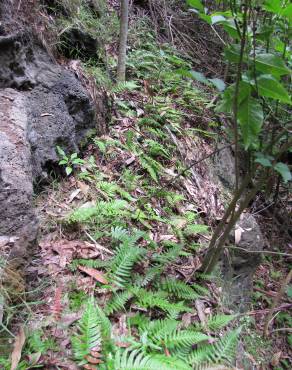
<point>287,12</point>
<point>226,104</point>
<point>206,18</point>
<point>284,171</point>
<point>73,156</point>
<point>60,151</point>
<point>232,53</point>
<point>273,6</point>
<point>63,161</point>
<point>196,4</point>
<point>250,118</point>
<point>217,82</point>
<point>199,77</point>
<point>230,28</point>
<point>217,18</point>
<point>269,86</point>
<point>272,64</point>
<point>263,160</point>
<point>68,170</point>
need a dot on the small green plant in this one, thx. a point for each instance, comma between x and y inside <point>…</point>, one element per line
<point>69,162</point>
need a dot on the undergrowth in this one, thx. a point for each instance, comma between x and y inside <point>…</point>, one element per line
<point>143,315</point>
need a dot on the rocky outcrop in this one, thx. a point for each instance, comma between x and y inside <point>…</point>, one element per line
<point>42,105</point>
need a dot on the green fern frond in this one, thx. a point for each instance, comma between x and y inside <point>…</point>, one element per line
<point>118,301</point>
<point>158,328</point>
<point>119,233</point>
<point>178,288</point>
<point>169,256</point>
<point>219,321</point>
<point>202,291</point>
<point>123,263</point>
<point>149,299</point>
<point>89,336</point>
<point>183,338</point>
<point>143,280</point>
<point>124,86</point>
<point>151,166</point>
<point>88,263</point>
<point>221,352</point>
<point>137,360</point>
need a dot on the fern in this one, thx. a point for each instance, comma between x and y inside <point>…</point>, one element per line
<point>158,299</point>
<point>137,360</point>
<point>88,263</point>
<point>179,289</point>
<point>222,352</point>
<point>89,336</point>
<point>143,280</point>
<point>169,256</point>
<point>202,291</point>
<point>151,166</point>
<point>219,321</point>
<point>119,233</point>
<point>124,86</point>
<point>118,301</point>
<point>123,263</point>
<point>183,338</point>
<point>158,328</point>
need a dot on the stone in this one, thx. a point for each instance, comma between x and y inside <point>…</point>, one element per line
<point>42,105</point>
<point>239,265</point>
<point>17,218</point>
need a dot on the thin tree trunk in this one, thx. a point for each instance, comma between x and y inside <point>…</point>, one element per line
<point>121,72</point>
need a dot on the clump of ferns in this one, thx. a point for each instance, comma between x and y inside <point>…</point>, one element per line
<point>154,344</point>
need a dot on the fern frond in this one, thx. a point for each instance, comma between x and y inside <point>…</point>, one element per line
<point>202,291</point>
<point>124,86</point>
<point>119,233</point>
<point>178,288</point>
<point>221,352</point>
<point>143,280</point>
<point>123,263</point>
<point>157,299</point>
<point>137,360</point>
<point>118,301</point>
<point>169,256</point>
<point>183,338</point>
<point>89,336</point>
<point>158,328</point>
<point>219,321</point>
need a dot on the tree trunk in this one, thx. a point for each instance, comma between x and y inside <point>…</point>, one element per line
<point>121,72</point>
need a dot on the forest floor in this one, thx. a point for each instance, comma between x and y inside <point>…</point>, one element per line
<point>125,228</point>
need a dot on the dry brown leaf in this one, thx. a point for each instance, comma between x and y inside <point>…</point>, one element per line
<point>201,311</point>
<point>95,354</point>
<point>97,275</point>
<point>276,358</point>
<point>83,187</point>
<point>89,367</point>
<point>73,195</point>
<point>17,348</point>
<point>93,360</point>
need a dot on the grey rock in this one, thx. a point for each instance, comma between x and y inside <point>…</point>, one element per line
<point>42,105</point>
<point>239,265</point>
<point>17,218</point>
<point>222,167</point>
